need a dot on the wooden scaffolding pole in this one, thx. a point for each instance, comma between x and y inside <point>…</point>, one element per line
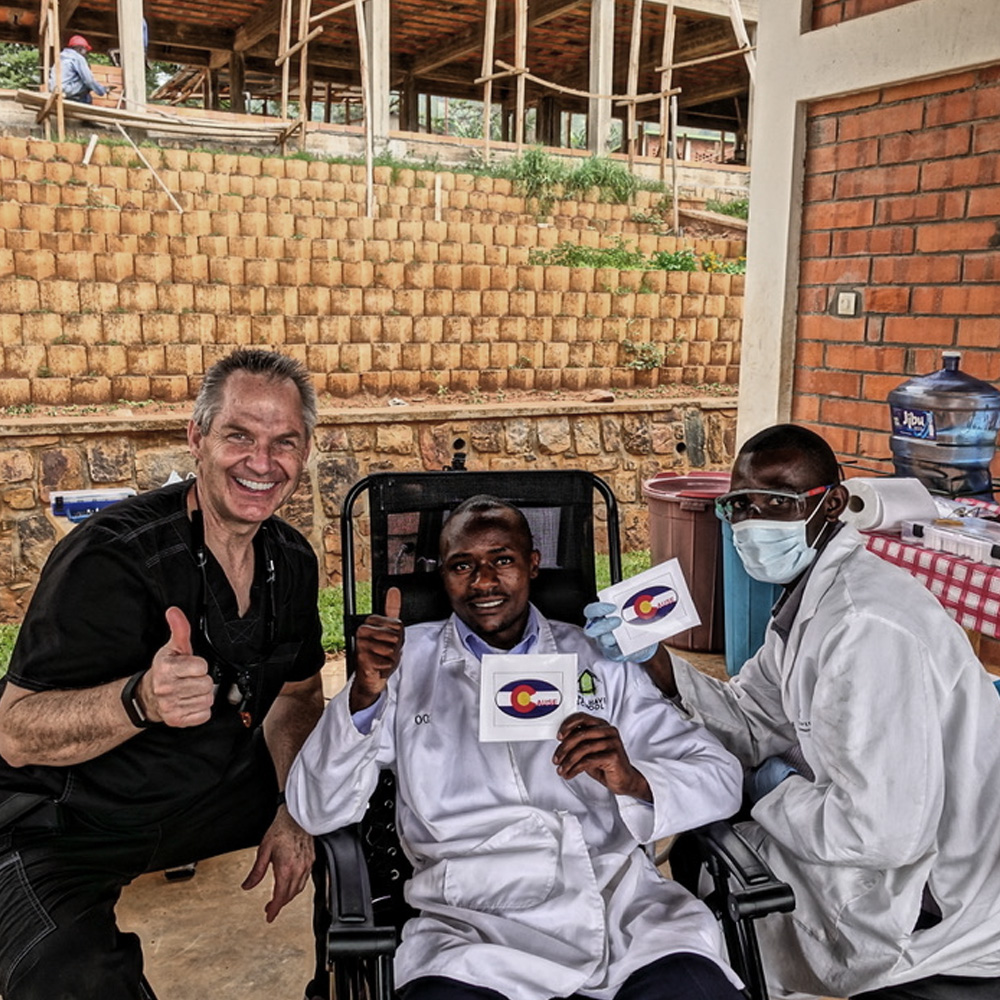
<point>305,90</point>
<point>521,65</point>
<point>489,43</point>
<point>284,38</point>
<point>366,105</point>
<point>742,38</point>
<point>674,191</point>
<point>666,79</point>
<point>633,79</point>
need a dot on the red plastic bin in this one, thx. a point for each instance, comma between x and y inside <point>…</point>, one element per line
<point>683,525</point>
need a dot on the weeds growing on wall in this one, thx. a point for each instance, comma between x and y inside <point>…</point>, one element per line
<point>612,180</point>
<point>739,208</point>
<point>542,178</point>
<point>625,257</point>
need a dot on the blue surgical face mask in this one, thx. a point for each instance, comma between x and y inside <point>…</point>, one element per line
<point>774,551</point>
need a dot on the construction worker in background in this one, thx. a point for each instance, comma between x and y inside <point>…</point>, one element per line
<point>77,81</point>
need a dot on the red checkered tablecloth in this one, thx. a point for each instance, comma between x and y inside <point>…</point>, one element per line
<point>970,591</point>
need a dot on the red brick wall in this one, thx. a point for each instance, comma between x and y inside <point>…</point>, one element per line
<point>902,202</point>
<point>829,12</point>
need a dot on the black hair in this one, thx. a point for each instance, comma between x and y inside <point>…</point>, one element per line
<point>484,503</point>
<point>815,451</point>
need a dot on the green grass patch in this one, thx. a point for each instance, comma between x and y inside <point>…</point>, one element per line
<point>626,257</point>
<point>738,208</point>
<point>8,635</point>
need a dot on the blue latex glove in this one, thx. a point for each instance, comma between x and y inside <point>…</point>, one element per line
<point>601,623</point>
<point>767,777</point>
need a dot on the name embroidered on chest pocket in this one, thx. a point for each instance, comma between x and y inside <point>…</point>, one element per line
<point>422,719</point>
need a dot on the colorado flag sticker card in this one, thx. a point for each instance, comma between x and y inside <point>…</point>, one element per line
<point>653,605</point>
<point>525,697</point>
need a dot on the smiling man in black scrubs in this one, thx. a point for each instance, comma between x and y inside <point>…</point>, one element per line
<point>165,676</point>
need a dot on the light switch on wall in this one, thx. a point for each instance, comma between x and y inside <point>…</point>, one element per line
<point>847,303</point>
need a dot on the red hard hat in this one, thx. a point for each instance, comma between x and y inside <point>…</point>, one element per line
<point>78,41</point>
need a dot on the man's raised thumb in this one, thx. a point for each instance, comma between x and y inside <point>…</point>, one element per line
<point>393,602</point>
<point>180,632</point>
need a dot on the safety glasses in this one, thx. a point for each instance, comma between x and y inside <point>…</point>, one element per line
<point>776,505</point>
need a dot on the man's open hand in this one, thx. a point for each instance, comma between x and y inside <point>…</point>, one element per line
<point>290,851</point>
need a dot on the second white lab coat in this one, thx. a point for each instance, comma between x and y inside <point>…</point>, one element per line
<point>526,883</point>
<point>900,725</point>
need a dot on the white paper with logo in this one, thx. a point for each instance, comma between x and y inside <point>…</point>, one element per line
<point>526,696</point>
<point>653,605</point>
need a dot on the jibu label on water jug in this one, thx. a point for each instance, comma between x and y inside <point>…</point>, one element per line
<point>913,423</point>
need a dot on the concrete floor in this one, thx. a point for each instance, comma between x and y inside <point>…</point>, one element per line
<point>207,937</point>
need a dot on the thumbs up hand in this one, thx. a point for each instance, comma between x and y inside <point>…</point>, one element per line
<point>378,646</point>
<point>177,689</point>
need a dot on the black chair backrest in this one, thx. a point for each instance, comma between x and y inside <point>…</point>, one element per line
<point>406,511</point>
<point>402,526</point>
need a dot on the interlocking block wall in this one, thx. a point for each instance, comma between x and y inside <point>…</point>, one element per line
<point>278,252</point>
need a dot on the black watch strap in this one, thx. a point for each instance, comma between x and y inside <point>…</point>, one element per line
<point>130,701</point>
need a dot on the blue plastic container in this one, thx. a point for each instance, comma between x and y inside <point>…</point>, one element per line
<point>747,604</point>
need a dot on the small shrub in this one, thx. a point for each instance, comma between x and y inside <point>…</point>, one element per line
<point>643,356</point>
<point>739,208</point>
<point>613,180</point>
<point>678,260</point>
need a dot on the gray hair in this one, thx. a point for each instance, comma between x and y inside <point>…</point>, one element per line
<point>270,365</point>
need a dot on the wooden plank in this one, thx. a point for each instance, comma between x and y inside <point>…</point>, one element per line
<point>300,44</point>
<point>305,90</point>
<point>132,53</point>
<point>706,59</point>
<point>470,40</point>
<point>366,103</point>
<point>489,43</point>
<point>284,37</point>
<point>521,64</point>
<point>156,177</point>
<point>740,29</point>
<point>633,79</point>
<point>666,78</point>
<point>719,8</point>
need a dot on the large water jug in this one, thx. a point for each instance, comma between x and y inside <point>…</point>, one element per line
<point>944,430</point>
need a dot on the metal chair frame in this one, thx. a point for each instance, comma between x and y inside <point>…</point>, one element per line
<point>365,867</point>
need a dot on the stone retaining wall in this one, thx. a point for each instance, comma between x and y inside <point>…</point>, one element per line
<point>624,442</point>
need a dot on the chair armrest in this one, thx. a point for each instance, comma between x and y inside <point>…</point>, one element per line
<point>751,889</point>
<point>349,898</point>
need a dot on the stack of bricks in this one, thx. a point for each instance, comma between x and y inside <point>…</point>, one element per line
<point>107,293</point>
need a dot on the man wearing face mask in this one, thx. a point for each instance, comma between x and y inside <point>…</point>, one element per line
<point>872,737</point>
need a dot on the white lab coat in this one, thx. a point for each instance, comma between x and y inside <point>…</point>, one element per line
<point>526,883</point>
<point>900,725</point>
